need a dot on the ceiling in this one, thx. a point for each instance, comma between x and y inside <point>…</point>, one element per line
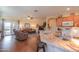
<point>43,11</point>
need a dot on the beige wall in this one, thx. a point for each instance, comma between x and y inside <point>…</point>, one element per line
<point>32,22</point>
<point>52,24</point>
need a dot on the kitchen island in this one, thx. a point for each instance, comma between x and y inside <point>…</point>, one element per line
<point>57,41</point>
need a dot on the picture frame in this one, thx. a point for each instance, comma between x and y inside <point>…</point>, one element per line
<point>27,25</point>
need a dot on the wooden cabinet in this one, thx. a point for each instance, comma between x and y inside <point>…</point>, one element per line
<point>74,19</point>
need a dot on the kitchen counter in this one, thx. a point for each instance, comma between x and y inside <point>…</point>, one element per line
<point>68,45</point>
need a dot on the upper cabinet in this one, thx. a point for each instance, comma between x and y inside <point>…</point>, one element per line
<point>72,18</point>
<point>76,20</point>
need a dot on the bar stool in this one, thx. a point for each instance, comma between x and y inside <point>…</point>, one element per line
<point>41,45</point>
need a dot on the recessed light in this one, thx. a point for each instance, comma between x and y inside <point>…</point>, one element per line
<point>68,9</point>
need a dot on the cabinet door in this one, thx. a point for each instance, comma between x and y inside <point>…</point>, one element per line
<point>76,21</point>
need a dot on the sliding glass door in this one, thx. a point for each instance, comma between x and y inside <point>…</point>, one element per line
<point>7,28</point>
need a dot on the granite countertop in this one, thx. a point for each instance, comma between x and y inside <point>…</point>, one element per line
<point>69,45</point>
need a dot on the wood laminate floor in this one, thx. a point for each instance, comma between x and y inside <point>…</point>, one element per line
<point>10,44</point>
<point>54,44</point>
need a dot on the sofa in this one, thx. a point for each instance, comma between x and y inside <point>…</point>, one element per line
<point>29,30</point>
<point>19,35</point>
